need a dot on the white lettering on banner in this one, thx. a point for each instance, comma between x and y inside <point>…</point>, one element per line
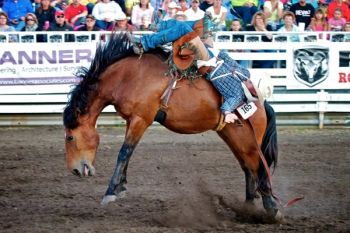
<point>33,65</point>
<point>41,57</point>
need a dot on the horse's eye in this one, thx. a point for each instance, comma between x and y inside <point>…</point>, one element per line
<point>69,138</point>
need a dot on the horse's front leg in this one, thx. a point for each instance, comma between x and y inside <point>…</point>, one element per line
<point>116,187</point>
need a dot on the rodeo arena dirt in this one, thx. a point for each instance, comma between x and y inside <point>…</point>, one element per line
<point>176,183</point>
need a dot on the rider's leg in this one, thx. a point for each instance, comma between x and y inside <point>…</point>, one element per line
<point>169,32</point>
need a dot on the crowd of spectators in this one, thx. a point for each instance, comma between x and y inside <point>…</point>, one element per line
<point>249,15</point>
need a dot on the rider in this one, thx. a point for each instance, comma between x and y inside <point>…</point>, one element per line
<point>224,72</point>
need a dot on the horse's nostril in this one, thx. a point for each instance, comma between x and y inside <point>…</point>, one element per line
<point>76,172</point>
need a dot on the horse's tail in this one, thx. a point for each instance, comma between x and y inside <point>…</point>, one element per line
<point>269,146</point>
<point>269,150</point>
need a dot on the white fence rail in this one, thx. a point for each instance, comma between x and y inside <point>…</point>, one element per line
<point>19,97</point>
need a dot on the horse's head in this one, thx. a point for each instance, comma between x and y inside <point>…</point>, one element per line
<point>81,145</point>
<point>84,106</point>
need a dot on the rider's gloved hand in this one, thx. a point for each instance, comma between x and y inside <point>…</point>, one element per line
<point>230,117</point>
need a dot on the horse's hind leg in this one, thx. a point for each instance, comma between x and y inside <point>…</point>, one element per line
<point>242,142</point>
<point>250,186</point>
<point>135,129</point>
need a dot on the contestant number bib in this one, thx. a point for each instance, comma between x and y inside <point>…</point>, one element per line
<point>247,110</point>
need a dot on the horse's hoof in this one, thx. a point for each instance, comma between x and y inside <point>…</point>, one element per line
<point>279,217</point>
<point>110,198</point>
<point>107,199</point>
<point>275,216</point>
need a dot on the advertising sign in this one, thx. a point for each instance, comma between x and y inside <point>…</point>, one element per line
<point>318,67</point>
<point>49,63</point>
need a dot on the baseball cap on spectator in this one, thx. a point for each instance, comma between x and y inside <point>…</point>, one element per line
<point>89,16</point>
<point>172,5</point>
<point>120,17</point>
<point>59,12</point>
<point>196,1</point>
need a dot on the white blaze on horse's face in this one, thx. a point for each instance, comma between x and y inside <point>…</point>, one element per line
<point>81,145</point>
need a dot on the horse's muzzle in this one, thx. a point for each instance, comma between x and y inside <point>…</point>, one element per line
<point>83,169</point>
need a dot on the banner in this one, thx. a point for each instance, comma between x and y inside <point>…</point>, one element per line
<point>43,63</point>
<point>318,66</point>
<point>325,65</point>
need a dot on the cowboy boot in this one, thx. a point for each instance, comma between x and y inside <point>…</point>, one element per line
<point>136,43</point>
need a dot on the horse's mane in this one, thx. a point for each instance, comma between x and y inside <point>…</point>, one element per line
<point>117,47</point>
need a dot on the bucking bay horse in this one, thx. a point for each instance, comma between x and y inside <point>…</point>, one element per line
<point>134,86</point>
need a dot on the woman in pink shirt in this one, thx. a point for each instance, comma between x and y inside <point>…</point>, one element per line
<point>143,9</point>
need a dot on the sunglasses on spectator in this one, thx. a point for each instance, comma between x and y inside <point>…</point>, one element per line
<point>60,16</point>
<point>29,19</point>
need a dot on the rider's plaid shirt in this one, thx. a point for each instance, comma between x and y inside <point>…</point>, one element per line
<point>227,78</point>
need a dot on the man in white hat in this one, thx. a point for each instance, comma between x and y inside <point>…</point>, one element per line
<point>121,23</point>
<point>194,13</point>
<point>171,11</point>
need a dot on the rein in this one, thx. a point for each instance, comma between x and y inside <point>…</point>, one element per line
<point>269,178</point>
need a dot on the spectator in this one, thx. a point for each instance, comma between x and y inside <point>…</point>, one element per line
<point>194,13</point>
<point>259,24</point>
<point>144,8</point>
<point>337,22</point>
<point>145,23</point>
<point>31,23</point>
<point>338,4</point>
<point>273,11</point>
<point>314,3</point>
<point>59,4</point>
<point>319,22</point>
<point>244,9</point>
<point>4,27</point>
<point>157,4</point>
<point>165,4</point>
<point>75,13</point>
<point>45,15</point>
<point>121,3</point>
<point>206,4</point>
<point>303,13</point>
<point>60,23</point>
<point>171,11</point>
<point>122,24</point>
<point>236,26</point>
<point>90,24</point>
<point>183,5</point>
<point>89,5</point>
<point>218,14</point>
<point>16,11</point>
<point>105,13</point>
<point>290,26</point>
<point>347,27</point>
<point>180,16</point>
<point>35,4</point>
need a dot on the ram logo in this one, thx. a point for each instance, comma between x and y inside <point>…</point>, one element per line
<point>311,65</point>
